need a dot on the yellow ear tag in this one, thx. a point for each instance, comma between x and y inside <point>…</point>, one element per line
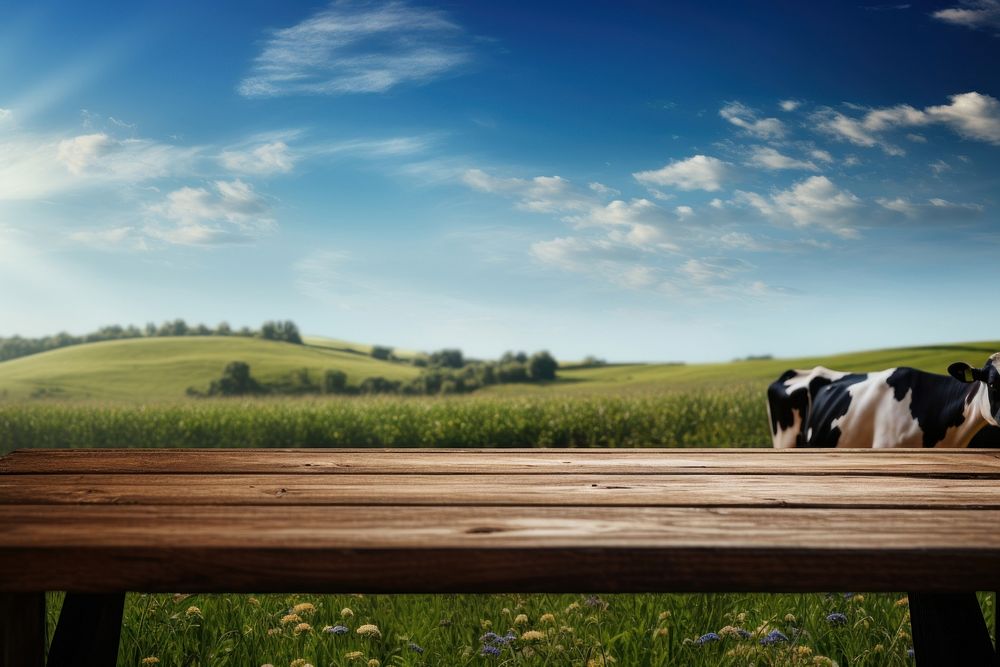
<point>968,375</point>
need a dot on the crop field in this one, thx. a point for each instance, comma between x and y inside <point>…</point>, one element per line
<point>635,405</point>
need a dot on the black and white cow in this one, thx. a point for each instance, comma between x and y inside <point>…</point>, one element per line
<point>898,407</point>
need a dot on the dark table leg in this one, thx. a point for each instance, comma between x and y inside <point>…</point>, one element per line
<point>22,630</point>
<point>949,629</point>
<point>88,632</point>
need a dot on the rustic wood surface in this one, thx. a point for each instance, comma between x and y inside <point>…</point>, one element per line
<point>499,520</point>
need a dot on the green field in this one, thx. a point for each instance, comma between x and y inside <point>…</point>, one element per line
<point>131,393</point>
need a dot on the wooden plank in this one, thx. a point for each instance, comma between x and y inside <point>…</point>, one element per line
<point>936,463</point>
<point>498,490</point>
<point>22,630</point>
<point>473,549</point>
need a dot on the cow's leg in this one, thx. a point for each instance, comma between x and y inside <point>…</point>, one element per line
<point>949,629</point>
<point>22,630</point>
<point>89,630</point>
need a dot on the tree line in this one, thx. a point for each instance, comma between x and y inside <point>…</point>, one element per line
<point>17,346</point>
<point>445,372</point>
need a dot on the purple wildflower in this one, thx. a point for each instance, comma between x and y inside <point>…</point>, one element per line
<point>415,648</point>
<point>507,638</point>
<point>909,653</point>
<point>743,633</point>
<point>707,639</point>
<point>773,637</point>
<point>594,601</point>
<point>491,651</point>
<point>489,638</point>
<point>338,630</point>
<point>836,618</point>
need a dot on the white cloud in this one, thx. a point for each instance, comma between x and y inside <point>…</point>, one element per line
<point>821,155</point>
<point>935,209</point>
<point>354,47</point>
<point>790,105</point>
<point>816,201</point>
<point>939,167</point>
<point>6,115</point>
<point>684,212</point>
<point>602,189</point>
<point>111,238</point>
<point>698,172</point>
<point>269,158</point>
<point>971,115</point>
<point>746,118</point>
<point>916,138</point>
<point>982,14</point>
<point>231,213</point>
<point>541,194</point>
<point>769,158</point>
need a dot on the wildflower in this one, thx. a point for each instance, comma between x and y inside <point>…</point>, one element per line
<point>789,618</point>
<point>346,612</point>
<point>369,630</point>
<point>290,618</point>
<point>596,602</point>
<point>490,650</point>
<point>823,661</point>
<point>731,631</point>
<point>300,662</point>
<point>303,608</point>
<point>151,660</point>
<point>566,630</point>
<point>909,653</point>
<point>302,627</point>
<point>547,618</point>
<point>415,648</point>
<point>803,651</point>
<point>601,661</point>
<point>903,601</point>
<point>267,664</point>
<point>273,631</point>
<point>773,637</point>
<point>374,663</point>
<point>336,629</point>
<point>507,638</point>
<point>354,655</point>
<point>573,606</point>
<point>878,648</point>
<point>489,638</point>
<point>193,611</point>
<point>836,618</point>
<point>533,635</point>
<point>707,639</point>
<point>180,597</point>
<point>253,602</point>
<point>485,624</point>
<point>664,615</point>
<point>521,619</point>
<point>660,632</point>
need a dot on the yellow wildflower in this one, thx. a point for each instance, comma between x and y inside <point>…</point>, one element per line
<point>521,619</point>
<point>660,632</point>
<point>273,631</point>
<point>547,618</point>
<point>823,661</point>
<point>566,630</point>
<point>664,615</point>
<point>302,627</point>
<point>354,655</point>
<point>741,617</point>
<point>299,662</point>
<point>151,660</point>
<point>485,624</point>
<point>878,648</point>
<point>728,631</point>
<point>858,598</point>
<point>572,607</point>
<point>374,663</point>
<point>180,597</point>
<point>533,636</point>
<point>369,630</point>
<point>304,608</point>
<point>346,612</point>
<point>601,661</point>
<point>193,611</point>
<point>803,651</point>
<point>789,618</point>
<point>253,601</point>
<point>290,618</point>
<point>903,601</point>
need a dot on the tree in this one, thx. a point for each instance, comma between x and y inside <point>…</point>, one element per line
<point>542,366</point>
<point>381,352</point>
<point>223,329</point>
<point>335,382</point>
<point>449,358</point>
<point>236,381</point>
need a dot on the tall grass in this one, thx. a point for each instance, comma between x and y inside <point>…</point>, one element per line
<point>734,416</point>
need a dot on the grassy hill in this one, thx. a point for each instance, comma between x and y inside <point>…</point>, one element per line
<point>161,369</point>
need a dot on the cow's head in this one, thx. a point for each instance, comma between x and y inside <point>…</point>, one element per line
<point>988,398</point>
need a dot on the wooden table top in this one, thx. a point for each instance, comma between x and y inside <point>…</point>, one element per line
<point>542,520</point>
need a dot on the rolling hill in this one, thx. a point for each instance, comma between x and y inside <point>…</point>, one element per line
<point>158,369</point>
<point>161,369</point>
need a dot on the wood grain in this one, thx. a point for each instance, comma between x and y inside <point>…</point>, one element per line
<point>364,489</point>
<point>958,463</point>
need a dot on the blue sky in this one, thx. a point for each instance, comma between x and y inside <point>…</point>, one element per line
<point>637,181</point>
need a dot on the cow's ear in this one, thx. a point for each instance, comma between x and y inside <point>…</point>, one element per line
<point>962,371</point>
